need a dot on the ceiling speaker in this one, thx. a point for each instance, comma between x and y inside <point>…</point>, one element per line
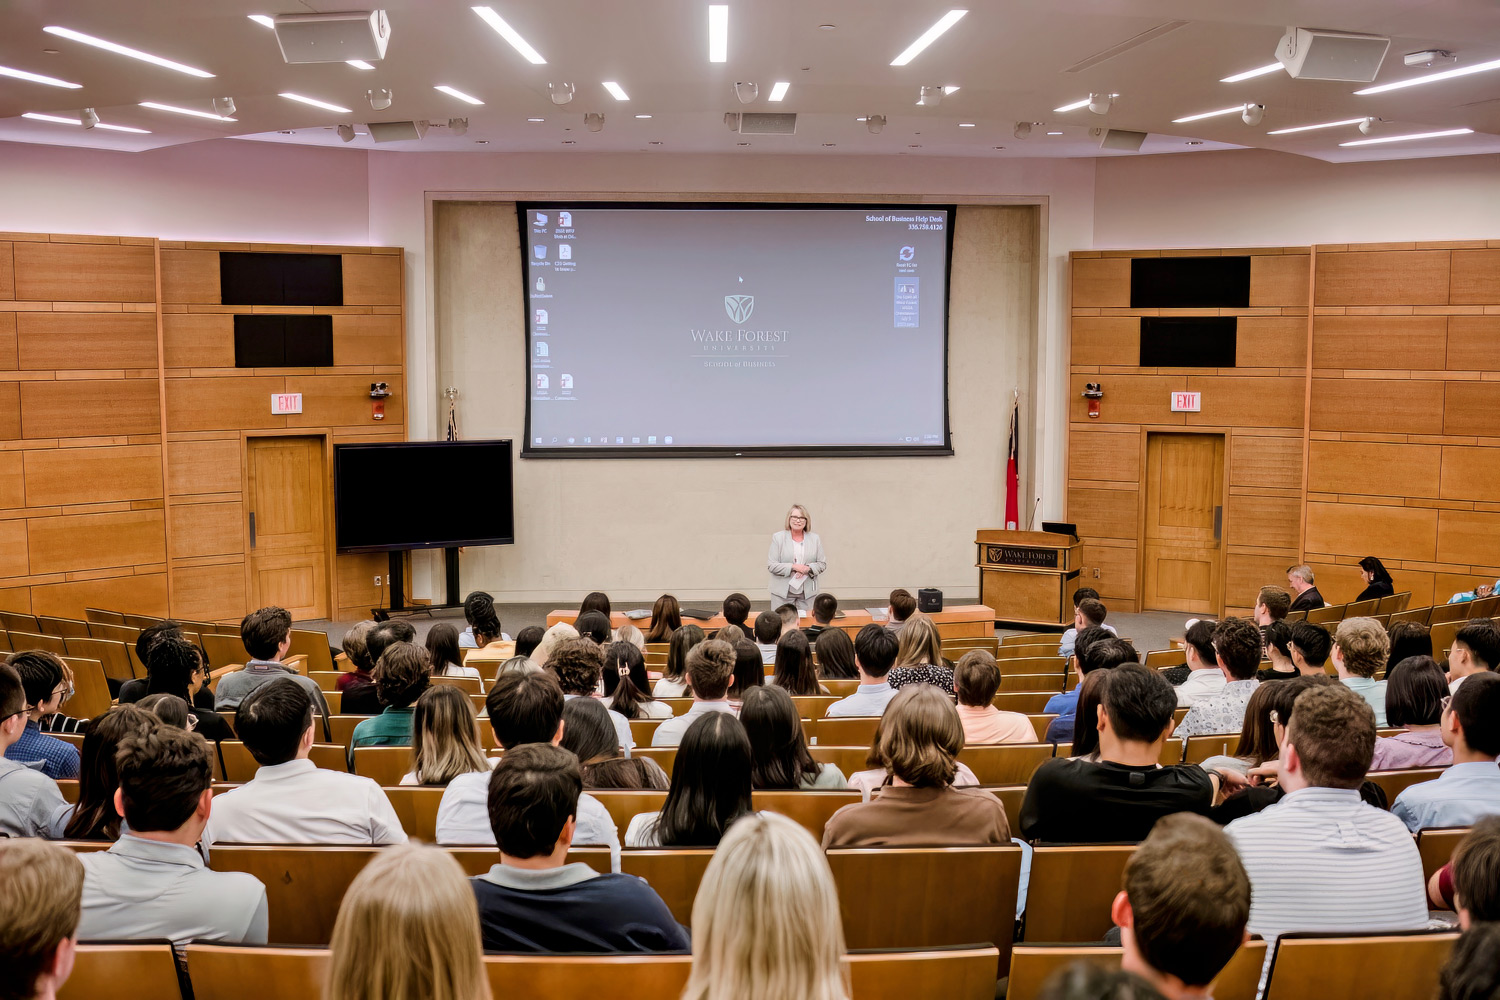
<point>765,123</point>
<point>1119,138</point>
<point>1314,54</point>
<point>397,131</point>
<point>331,38</point>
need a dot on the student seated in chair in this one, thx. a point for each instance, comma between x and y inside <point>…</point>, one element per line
<point>1088,612</point>
<point>874,655</point>
<point>710,668</point>
<point>30,803</point>
<point>267,637</point>
<point>1204,679</point>
<point>1309,648</point>
<point>1183,910</point>
<point>1236,643</point>
<point>1278,639</point>
<point>45,683</point>
<point>1475,650</point>
<point>1360,647</point>
<point>1300,580</point>
<point>1271,605</point>
<point>1470,788</point>
<point>976,678</point>
<point>824,607</point>
<point>534,901</point>
<point>1111,652</point>
<point>291,801</point>
<point>579,666</point>
<point>402,672</point>
<point>42,884</point>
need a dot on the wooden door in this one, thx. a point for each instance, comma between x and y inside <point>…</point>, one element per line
<point>286,489</point>
<point>1183,548</point>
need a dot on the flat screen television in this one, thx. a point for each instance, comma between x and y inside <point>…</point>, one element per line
<point>391,496</point>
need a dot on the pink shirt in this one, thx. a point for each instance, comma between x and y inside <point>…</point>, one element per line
<point>987,724</point>
<point>1411,749</point>
<point>865,782</point>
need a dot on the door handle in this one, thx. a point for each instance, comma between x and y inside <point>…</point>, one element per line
<point>252,529</point>
<point>1218,522</point>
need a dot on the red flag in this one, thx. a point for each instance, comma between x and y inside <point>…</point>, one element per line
<point>1013,472</point>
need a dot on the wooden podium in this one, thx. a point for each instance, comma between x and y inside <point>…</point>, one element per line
<point>1028,577</point>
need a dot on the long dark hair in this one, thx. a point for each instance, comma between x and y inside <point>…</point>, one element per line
<point>442,646</point>
<point>588,731</point>
<point>1414,692</point>
<point>710,783</point>
<point>836,654</point>
<point>682,641</point>
<point>94,818</point>
<point>595,602</point>
<point>1257,735</point>
<point>1086,720</point>
<point>1377,571</point>
<point>749,669</point>
<point>778,749</point>
<point>794,664</point>
<point>666,618</point>
<point>625,680</point>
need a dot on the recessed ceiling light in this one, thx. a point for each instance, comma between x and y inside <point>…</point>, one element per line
<point>359,64</point>
<point>999,147</point>
<point>821,27</point>
<point>655,142</point>
<point>1251,74</point>
<point>570,142</point>
<point>187,111</point>
<point>1237,109</point>
<point>1054,133</point>
<point>511,35</point>
<point>481,142</point>
<point>1193,142</point>
<point>316,103</point>
<point>1072,107</point>
<point>830,144</point>
<point>451,92</point>
<point>125,50</point>
<point>1309,128</point>
<point>263,19</point>
<point>742,144</point>
<point>536,119</point>
<point>929,36</point>
<point>915,145</point>
<point>75,121</point>
<point>778,92</point>
<point>616,91</point>
<point>51,81</point>
<point>1447,74</point>
<point>1407,138</point>
<point>966,125</point>
<point>718,32</point>
<point>643,116</point>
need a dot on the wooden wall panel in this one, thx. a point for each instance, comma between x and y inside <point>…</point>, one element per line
<point>9,360</point>
<point>1340,583</point>
<point>1128,399</point>
<point>1388,406</point>
<point>1383,278</point>
<point>1246,572</point>
<point>1471,343</point>
<point>207,529</point>
<point>1271,341</point>
<point>1278,279</point>
<point>222,403</point>
<point>139,594</point>
<point>1265,522</point>
<point>1105,457</point>
<point>76,542</point>
<point>1471,408</point>
<point>90,408</point>
<point>1475,278</point>
<point>198,340</point>
<point>1104,513</point>
<point>1371,468</point>
<point>1116,566</point>
<point>85,272</point>
<point>213,592</point>
<point>366,340</point>
<point>12,480</point>
<point>372,279</point>
<point>344,400</point>
<point>10,410</point>
<point>72,340</point>
<point>1228,401</point>
<point>7,272</point>
<point>13,557</point>
<point>1107,340</point>
<point>59,476</point>
<point>1265,462</point>
<point>190,276</point>
<point>357,593</point>
<point>1393,532</point>
<point>1367,342</point>
<point>1469,537</point>
<point>204,467</point>
<point>1470,474</point>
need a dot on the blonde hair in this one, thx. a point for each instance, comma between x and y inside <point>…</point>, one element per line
<point>550,639</point>
<point>443,744</point>
<point>408,929</point>
<point>44,888</point>
<point>632,635</point>
<point>1363,644</point>
<point>766,922</point>
<point>806,524</point>
<point>919,642</point>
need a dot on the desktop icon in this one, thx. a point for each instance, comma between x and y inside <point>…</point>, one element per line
<point>541,317</point>
<point>541,219</point>
<point>541,349</point>
<point>564,252</point>
<point>588,440</point>
<point>542,382</point>
<point>651,439</point>
<point>565,382</point>
<point>907,253</point>
<point>635,440</point>
<point>541,284</point>
<point>570,440</point>
<point>667,439</point>
<point>538,440</point>
<point>619,440</point>
<point>541,252</point>
<point>565,220</point>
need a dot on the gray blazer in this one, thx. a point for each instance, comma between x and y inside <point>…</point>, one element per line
<point>779,562</point>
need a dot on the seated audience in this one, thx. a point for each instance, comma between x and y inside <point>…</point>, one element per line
<point>632,635</point>
<point>824,607</point>
<point>749,671</point>
<point>627,689</point>
<point>1065,647</point>
<point>920,737</point>
<point>1323,859</point>
<point>491,644</point>
<point>522,708</point>
<point>1064,702</point>
<point>1237,649</point>
<point>794,670</point>
<point>30,804</point>
<point>443,652</point>
<point>402,673</point>
<point>589,734</point>
<point>1378,582</point>
<point>1407,639</point>
<point>1300,579</point>
<point>874,655</point>
<point>594,626</point>
<point>876,776</point>
<point>555,634</point>
<point>176,667</point>
<point>93,817</point>
<point>358,685</point>
<point>1472,971</point>
<point>597,601</point>
<point>778,749</point>
<point>976,679</point>
<point>1475,649</point>
<point>1278,640</point>
<point>267,636</point>
<point>533,901</point>
<point>169,709</point>
<point>39,924</point>
<point>407,929</point>
<point>1360,647</point>
<point>1309,648</point>
<point>1183,908</point>
<point>766,921</point>
<point>1205,677</point>
<point>46,687</point>
<point>59,721</point>
<point>1085,745</point>
<point>1470,882</point>
<point>1094,651</point>
<point>1271,605</point>
<point>736,609</point>
<point>789,617</point>
<point>1119,796</point>
<point>290,800</point>
<point>919,656</point>
<point>443,744</point>
<point>1415,690</point>
<point>479,615</point>
<point>152,883</point>
<point>132,691</point>
<point>579,667</point>
<point>1470,788</point>
<point>673,682</point>
<point>767,630</point>
<point>836,655</point>
<point>709,667</point>
<point>666,618</point>
<point>901,607</point>
<point>530,637</point>
<point>710,787</point>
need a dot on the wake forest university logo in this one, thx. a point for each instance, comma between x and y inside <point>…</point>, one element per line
<point>739,307</point>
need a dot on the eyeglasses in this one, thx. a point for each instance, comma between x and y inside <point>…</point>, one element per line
<point>64,690</point>
<point>796,517</point>
<point>1446,703</point>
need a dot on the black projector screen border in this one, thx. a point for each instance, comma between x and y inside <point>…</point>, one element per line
<point>531,451</point>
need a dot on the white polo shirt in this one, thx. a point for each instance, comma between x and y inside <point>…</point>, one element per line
<point>464,817</point>
<point>301,803</point>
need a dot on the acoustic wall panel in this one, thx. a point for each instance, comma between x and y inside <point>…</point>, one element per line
<point>56,341</point>
<point>80,272</point>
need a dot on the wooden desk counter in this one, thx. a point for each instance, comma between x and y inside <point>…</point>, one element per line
<point>953,622</point>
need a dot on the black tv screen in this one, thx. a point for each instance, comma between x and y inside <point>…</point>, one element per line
<point>401,495</point>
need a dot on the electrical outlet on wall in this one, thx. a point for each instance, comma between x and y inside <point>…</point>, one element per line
<point>377,580</point>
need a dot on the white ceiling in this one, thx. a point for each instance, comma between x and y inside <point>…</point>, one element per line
<point>1013,61</point>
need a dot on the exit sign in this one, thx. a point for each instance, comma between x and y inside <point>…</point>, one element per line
<point>289,402</point>
<point>1189,402</point>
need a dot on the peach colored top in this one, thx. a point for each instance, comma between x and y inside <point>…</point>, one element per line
<point>987,724</point>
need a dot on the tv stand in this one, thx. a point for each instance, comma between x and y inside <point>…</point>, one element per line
<point>399,607</point>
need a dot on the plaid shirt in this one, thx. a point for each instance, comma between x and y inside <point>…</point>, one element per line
<point>58,759</point>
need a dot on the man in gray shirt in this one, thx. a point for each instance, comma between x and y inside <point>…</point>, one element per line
<point>267,635</point>
<point>153,883</point>
<point>30,804</point>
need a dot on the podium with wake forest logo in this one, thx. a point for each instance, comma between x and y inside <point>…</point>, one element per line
<point>1028,577</point>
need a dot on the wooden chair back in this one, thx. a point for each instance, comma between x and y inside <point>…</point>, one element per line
<point>1436,846</point>
<point>1158,658</point>
<point>63,628</point>
<point>812,706</point>
<point>1442,614</point>
<point>1011,797</point>
<point>91,695</point>
<point>17,621</point>
<point>641,730</point>
<point>1329,615</point>
<point>1007,653</point>
<point>1200,748</point>
<point>841,688</point>
<point>673,872</point>
<point>247,972</point>
<point>20,641</point>
<point>1039,723</point>
<point>1032,965</point>
<point>387,765</point>
<point>1393,783</point>
<point>1006,763</point>
<point>468,685</point>
<point>69,789</point>
<point>119,633</point>
<point>1081,883</point>
<point>239,765</point>
<point>1049,663</point>
<point>1356,967</point>
<point>1361,609</point>
<point>416,806</point>
<point>134,971</point>
<point>341,727</point>
<point>849,760</point>
<point>313,644</point>
<point>847,731</point>
<point>102,616</point>
<point>1025,702</point>
<point>665,756</point>
<point>810,809</point>
<point>1052,683</point>
<point>1443,635</point>
<point>1031,638</point>
<point>224,650</point>
<point>113,655</point>
<point>1419,615</point>
<point>327,680</point>
<point>623,804</point>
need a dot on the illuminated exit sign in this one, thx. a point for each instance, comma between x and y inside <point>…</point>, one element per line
<point>1185,402</point>
<point>291,402</point>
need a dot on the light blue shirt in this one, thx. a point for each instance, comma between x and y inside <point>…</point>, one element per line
<point>1065,647</point>
<point>1373,692</point>
<point>1460,796</point>
<point>869,699</point>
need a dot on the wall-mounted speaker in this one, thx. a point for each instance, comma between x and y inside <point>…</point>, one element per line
<point>1314,54</point>
<point>1119,138</point>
